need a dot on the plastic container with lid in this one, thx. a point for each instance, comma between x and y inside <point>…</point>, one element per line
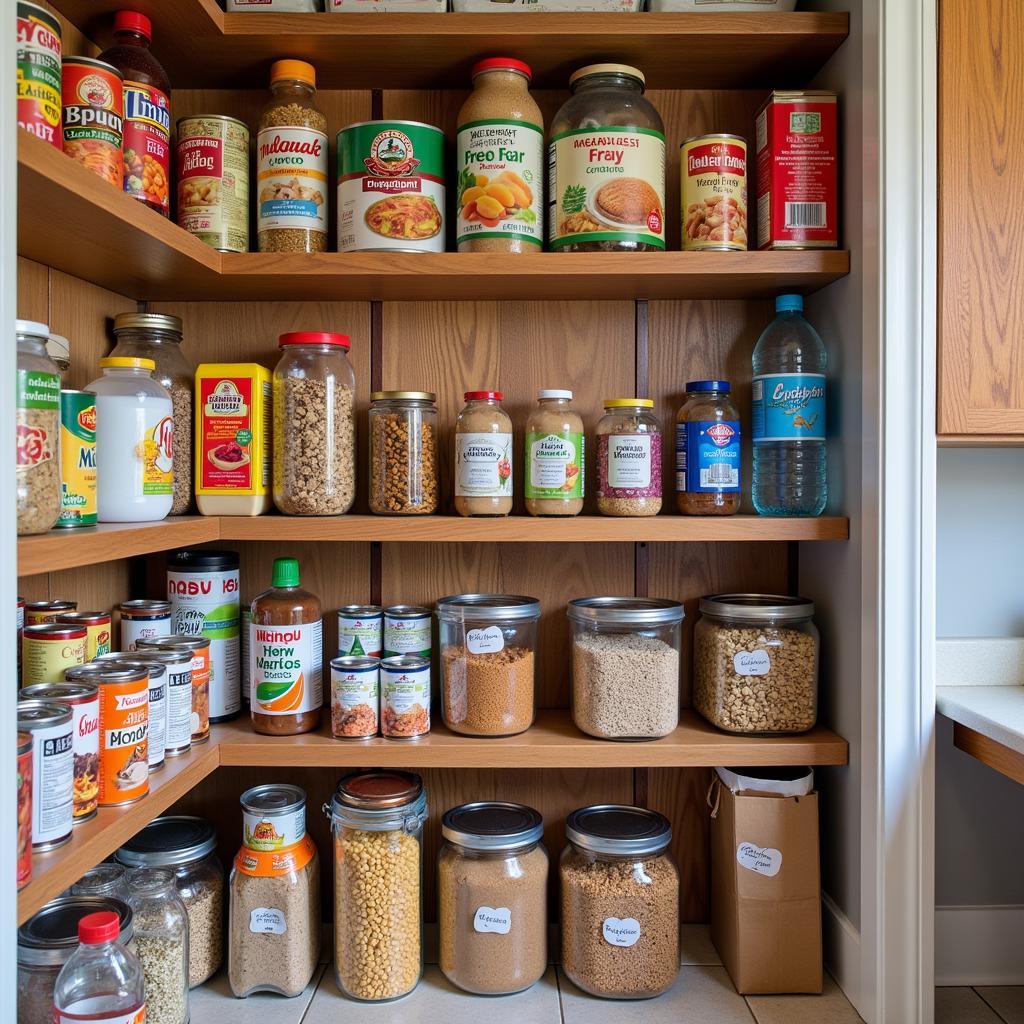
<point>625,666</point>
<point>314,425</point>
<point>554,456</point>
<point>377,820</point>
<point>403,453</point>
<point>629,458</point>
<point>492,897</point>
<point>755,663</point>
<point>488,662</point>
<point>619,902</point>
<point>483,456</point>
<point>106,879</point>
<point>708,455</point>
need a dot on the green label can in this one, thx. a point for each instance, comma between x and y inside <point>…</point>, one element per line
<point>77,459</point>
<point>407,631</point>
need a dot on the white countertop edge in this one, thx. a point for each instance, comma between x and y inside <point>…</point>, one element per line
<point>994,711</point>
<point>979,661</point>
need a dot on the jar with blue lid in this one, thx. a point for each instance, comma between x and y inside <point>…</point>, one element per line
<point>708,451</point>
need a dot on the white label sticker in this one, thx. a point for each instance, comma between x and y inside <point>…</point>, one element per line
<point>621,932</point>
<point>761,860</point>
<point>485,641</point>
<point>483,465</point>
<point>267,921</point>
<point>752,663</point>
<point>629,460</point>
<point>491,919</point>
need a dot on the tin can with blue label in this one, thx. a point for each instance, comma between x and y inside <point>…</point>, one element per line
<point>708,451</point>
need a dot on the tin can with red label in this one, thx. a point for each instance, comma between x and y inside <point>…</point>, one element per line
<point>97,631</point>
<point>37,612</point>
<point>713,185</point>
<point>24,809</point>
<point>147,145</point>
<point>39,72</point>
<point>92,94</point>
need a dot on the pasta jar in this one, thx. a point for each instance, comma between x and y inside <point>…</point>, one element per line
<point>492,898</point>
<point>488,663</point>
<point>708,452</point>
<point>554,456</point>
<point>403,453</point>
<point>755,663</point>
<point>314,425</point>
<point>483,456</point>
<point>377,820</point>
<point>620,902</point>
<point>629,458</point>
<point>625,666</point>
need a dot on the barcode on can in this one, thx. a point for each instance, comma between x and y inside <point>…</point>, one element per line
<point>805,215</point>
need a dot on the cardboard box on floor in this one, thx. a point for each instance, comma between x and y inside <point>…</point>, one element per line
<point>766,890</point>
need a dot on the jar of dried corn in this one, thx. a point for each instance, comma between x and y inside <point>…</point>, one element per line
<point>403,453</point>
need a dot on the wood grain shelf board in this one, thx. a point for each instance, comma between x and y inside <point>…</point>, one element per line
<point>996,755</point>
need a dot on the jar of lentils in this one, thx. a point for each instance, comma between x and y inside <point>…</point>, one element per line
<point>629,458</point>
<point>403,453</point>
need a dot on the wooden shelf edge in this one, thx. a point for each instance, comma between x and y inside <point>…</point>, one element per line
<point>980,440</point>
<point>996,755</point>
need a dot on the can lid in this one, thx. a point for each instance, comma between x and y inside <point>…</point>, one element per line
<point>618,829</point>
<point>554,393</point>
<point>202,560</point>
<point>51,606</point>
<point>406,611</point>
<point>789,303</point>
<point>103,926</point>
<point>153,662</point>
<point>168,841</point>
<point>84,618</point>
<point>477,607</point>
<point>626,611</point>
<point>492,825</point>
<point>297,69</point>
<point>478,396</point>
<point>50,936</point>
<point>628,403</point>
<point>75,691</point>
<point>152,321</point>
<point>419,396</point>
<point>607,69</point>
<point>133,21</point>
<point>286,573</point>
<point>502,64</point>
<point>129,362</point>
<point>39,714</point>
<point>757,607</point>
<point>404,663</point>
<point>355,661</point>
<point>32,328</point>
<point>107,672</point>
<point>58,630</point>
<point>193,643</point>
<point>709,385</point>
<point>314,338</point>
<point>146,606</point>
<point>361,611</point>
<point>273,798</point>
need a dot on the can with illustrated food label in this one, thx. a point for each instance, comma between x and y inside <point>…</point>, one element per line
<point>713,186</point>
<point>39,72</point>
<point>49,724</point>
<point>24,860</point>
<point>405,697</point>
<point>142,620</point>
<point>170,681</point>
<point>273,817</point>
<point>97,631</point>
<point>92,98</point>
<point>77,459</point>
<point>37,612</point>
<point>355,697</point>
<point>360,631</point>
<point>124,733</point>
<point>407,631</point>
<point>48,649</point>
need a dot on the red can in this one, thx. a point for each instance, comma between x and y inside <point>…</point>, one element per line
<point>24,809</point>
<point>39,72</point>
<point>92,94</point>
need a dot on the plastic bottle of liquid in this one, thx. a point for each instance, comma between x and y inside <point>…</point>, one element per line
<point>789,415</point>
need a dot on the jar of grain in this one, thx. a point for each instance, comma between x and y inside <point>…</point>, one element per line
<point>106,879</point>
<point>708,451</point>
<point>554,456</point>
<point>492,898</point>
<point>625,666</point>
<point>755,663</point>
<point>488,655</point>
<point>377,820</point>
<point>483,456</point>
<point>403,453</point>
<point>314,425</point>
<point>157,336</point>
<point>628,458</point>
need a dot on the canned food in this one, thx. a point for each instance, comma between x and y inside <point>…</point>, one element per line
<point>46,611</point>
<point>124,733</point>
<point>143,620</point>
<point>360,631</point>
<point>273,817</point>
<point>355,697</point>
<point>97,630</point>
<point>52,770</point>
<point>92,96</point>
<point>170,673</point>
<point>713,183</point>
<point>77,459</point>
<point>405,697</point>
<point>213,181</point>
<point>244,671</point>
<point>20,616</point>
<point>48,649</point>
<point>391,187</point>
<point>200,648</point>
<point>407,631</point>
<point>24,809</point>
<point>39,72</point>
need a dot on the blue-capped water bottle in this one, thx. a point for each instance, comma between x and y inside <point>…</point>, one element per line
<point>789,415</point>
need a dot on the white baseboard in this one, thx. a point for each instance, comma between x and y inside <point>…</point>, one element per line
<point>979,945</point>
<point>841,940</point>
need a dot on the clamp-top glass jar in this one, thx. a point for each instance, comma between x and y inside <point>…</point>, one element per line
<point>403,453</point>
<point>629,458</point>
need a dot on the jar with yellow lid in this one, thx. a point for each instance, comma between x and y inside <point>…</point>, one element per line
<point>629,458</point>
<point>403,453</point>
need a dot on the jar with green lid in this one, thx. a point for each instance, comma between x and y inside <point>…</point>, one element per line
<point>403,453</point>
<point>629,458</point>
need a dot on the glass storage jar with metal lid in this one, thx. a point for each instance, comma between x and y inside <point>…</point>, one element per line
<point>488,662</point>
<point>403,453</point>
<point>708,453</point>
<point>755,663</point>
<point>377,821</point>
<point>629,458</point>
<point>187,846</point>
<point>619,902</point>
<point>625,666</point>
<point>492,897</point>
<point>314,389</point>
<point>106,879</point>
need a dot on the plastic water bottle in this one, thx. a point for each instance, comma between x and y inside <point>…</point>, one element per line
<point>789,415</point>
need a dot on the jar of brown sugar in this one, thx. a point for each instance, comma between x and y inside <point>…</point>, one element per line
<point>403,453</point>
<point>483,456</point>
<point>708,451</point>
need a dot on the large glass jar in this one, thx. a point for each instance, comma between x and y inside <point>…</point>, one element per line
<point>106,879</point>
<point>620,902</point>
<point>755,663</point>
<point>38,430</point>
<point>157,336</point>
<point>483,456</point>
<point>554,456</point>
<point>314,425</point>
<point>708,451</point>
<point>377,821</point>
<point>628,458</point>
<point>187,846</point>
<point>492,898</point>
<point>488,662</point>
<point>403,453</point>
<point>625,666</point>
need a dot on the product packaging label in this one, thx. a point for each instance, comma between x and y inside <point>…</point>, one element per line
<point>623,931</point>
<point>233,430</point>
<point>267,921</point>
<point>44,661</point>
<point>285,668</point>
<point>762,860</point>
<point>486,640</point>
<point>483,465</point>
<point>358,637</point>
<point>276,863</point>
<point>124,742</point>
<point>788,407</point>
<point>405,701</point>
<point>156,457</point>
<point>38,73</point>
<point>147,144</point>
<point>752,663</point>
<point>355,701</point>
<point>708,456</point>
<point>554,465</point>
<point>157,736</point>
<point>78,461</point>
<point>292,179</point>
<point>35,443</point>
<point>92,118</point>
<point>178,726</point>
<point>90,1011</point>
<point>85,743</point>
<point>713,181</point>
<point>497,920</point>
<point>52,783</point>
<point>268,834</point>
<point>629,461</point>
<point>407,636</point>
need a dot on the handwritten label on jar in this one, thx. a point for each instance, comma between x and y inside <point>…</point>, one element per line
<point>752,663</point>
<point>762,860</point>
<point>629,460</point>
<point>267,921</point>
<point>491,919</point>
<point>485,641</point>
<point>621,931</point>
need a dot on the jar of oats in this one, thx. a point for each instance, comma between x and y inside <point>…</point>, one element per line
<point>628,458</point>
<point>755,663</point>
<point>403,453</point>
<point>483,456</point>
<point>314,425</point>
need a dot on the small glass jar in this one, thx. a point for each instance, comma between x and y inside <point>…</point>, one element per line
<point>483,456</point>
<point>625,666</point>
<point>554,456</point>
<point>488,663</point>
<point>107,879</point>
<point>619,902</point>
<point>314,425</point>
<point>629,458</point>
<point>403,453</point>
<point>708,453</point>
<point>755,663</point>
<point>492,898</point>
<point>377,820</point>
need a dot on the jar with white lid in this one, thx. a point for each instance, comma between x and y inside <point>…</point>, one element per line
<point>629,458</point>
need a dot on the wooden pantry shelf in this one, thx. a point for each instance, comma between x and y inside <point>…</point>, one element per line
<point>996,755</point>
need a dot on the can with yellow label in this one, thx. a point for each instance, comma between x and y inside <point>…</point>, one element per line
<point>77,459</point>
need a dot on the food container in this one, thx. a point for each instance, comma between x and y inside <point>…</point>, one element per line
<point>199,646</point>
<point>407,630</point>
<point>492,897</point>
<point>187,846</point>
<point>49,725</point>
<point>708,453</point>
<point>629,458</point>
<point>405,697</point>
<point>24,834</point>
<point>377,820</point>
<point>124,732</point>
<point>156,739</point>
<point>92,116</point>
<point>77,459</point>
<point>403,453</point>
<point>48,649</point>
<point>20,619</point>
<point>142,619</point>
<point>37,612</point>
<point>625,666</point>
<point>483,456</point>
<point>361,630</point>
<point>713,193</point>
<point>619,902</point>
<point>555,443</point>
<point>105,879</point>
<point>355,697</point>
<point>39,72</point>
<point>488,663</point>
<point>97,630</point>
<point>755,663</point>
<point>170,696</point>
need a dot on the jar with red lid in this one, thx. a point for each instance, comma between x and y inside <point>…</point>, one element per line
<point>483,456</point>
<point>314,425</point>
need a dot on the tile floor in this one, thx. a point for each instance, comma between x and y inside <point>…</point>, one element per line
<point>981,1005</point>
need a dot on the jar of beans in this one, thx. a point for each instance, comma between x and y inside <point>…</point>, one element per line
<point>403,453</point>
<point>629,458</point>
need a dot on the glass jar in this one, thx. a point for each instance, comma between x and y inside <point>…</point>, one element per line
<point>107,879</point>
<point>38,431</point>
<point>625,666</point>
<point>161,944</point>
<point>187,846</point>
<point>755,663</point>
<point>492,898</point>
<point>620,902</point>
<point>628,458</point>
<point>157,336</point>
<point>403,453</point>
<point>554,456</point>
<point>483,456</point>
<point>314,425</point>
<point>488,663</point>
<point>605,197</point>
<point>708,464</point>
<point>377,821</point>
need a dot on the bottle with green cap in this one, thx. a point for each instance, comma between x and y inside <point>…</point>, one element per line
<point>286,652</point>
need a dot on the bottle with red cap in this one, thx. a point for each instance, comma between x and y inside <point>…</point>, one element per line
<point>147,112</point>
<point>483,456</point>
<point>102,982</point>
